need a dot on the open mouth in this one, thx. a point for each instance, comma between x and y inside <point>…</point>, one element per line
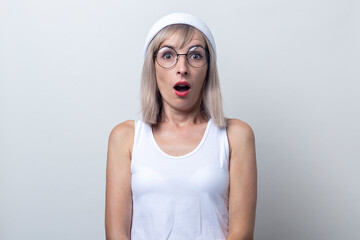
<point>182,86</point>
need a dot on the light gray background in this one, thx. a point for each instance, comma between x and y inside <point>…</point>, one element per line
<point>70,70</point>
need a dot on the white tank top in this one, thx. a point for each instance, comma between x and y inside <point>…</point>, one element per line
<point>180,197</point>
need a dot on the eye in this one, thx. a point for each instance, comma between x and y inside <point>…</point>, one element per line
<point>195,55</point>
<point>167,55</point>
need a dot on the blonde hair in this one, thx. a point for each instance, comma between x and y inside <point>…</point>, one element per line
<point>151,104</point>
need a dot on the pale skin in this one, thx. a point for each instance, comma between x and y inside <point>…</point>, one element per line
<point>179,132</point>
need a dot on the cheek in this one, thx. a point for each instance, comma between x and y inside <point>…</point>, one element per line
<point>201,76</point>
<point>161,77</point>
<point>158,75</point>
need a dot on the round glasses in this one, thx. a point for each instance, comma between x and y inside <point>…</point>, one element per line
<point>196,57</point>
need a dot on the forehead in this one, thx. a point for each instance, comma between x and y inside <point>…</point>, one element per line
<point>177,40</point>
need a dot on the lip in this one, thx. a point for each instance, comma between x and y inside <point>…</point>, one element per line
<point>182,94</point>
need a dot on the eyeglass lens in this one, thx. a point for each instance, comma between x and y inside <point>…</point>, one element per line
<point>167,57</point>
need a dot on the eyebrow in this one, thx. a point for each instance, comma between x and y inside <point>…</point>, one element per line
<point>196,45</point>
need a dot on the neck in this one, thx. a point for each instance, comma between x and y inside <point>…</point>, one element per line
<point>194,115</point>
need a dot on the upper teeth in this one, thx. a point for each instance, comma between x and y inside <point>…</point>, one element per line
<point>182,85</point>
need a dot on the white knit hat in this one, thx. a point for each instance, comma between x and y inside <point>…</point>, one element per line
<point>179,18</point>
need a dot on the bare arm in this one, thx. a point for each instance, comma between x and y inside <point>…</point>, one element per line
<point>118,206</point>
<point>243,181</point>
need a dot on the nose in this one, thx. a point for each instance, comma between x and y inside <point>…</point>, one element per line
<point>182,65</point>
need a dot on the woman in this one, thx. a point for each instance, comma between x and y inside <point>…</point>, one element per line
<point>184,171</point>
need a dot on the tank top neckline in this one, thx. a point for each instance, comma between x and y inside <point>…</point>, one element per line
<point>187,154</point>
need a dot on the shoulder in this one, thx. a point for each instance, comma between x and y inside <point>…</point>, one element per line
<point>122,135</point>
<point>123,128</point>
<point>239,129</point>
<point>240,134</point>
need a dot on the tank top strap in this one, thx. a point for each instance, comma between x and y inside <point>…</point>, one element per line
<point>224,149</point>
<point>140,135</point>
<point>138,127</point>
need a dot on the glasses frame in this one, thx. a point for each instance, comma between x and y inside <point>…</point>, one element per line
<point>207,55</point>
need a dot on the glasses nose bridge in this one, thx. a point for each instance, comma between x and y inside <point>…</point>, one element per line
<point>179,54</point>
